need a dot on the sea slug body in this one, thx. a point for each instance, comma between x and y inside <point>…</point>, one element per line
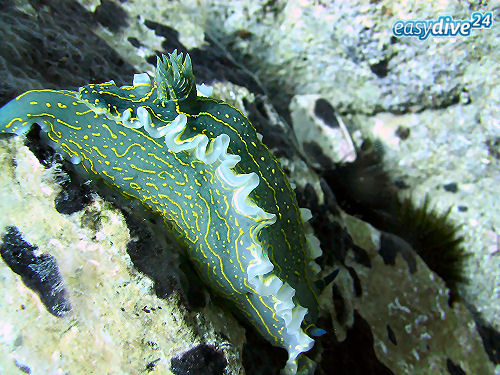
<point>199,164</point>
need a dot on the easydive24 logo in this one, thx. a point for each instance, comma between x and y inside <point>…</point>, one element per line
<point>443,26</point>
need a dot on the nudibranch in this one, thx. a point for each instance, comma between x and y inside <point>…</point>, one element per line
<point>199,164</point>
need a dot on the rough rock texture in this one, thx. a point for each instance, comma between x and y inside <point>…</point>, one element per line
<point>117,324</point>
<point>444,90</point>
<point>385,304</point>
<point>415,330</point>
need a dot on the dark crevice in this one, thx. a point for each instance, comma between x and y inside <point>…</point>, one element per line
<point>454,369</point>
<point>491,341</point>
<point>200,360</point>
<point>40,273</point>
<point>343,358</point>
<point>380,68</point>
<point>111,15</point>
<point>324,110</point>
<point>254,362</point>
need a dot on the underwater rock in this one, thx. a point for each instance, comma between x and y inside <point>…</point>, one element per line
<point>109,295</point>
